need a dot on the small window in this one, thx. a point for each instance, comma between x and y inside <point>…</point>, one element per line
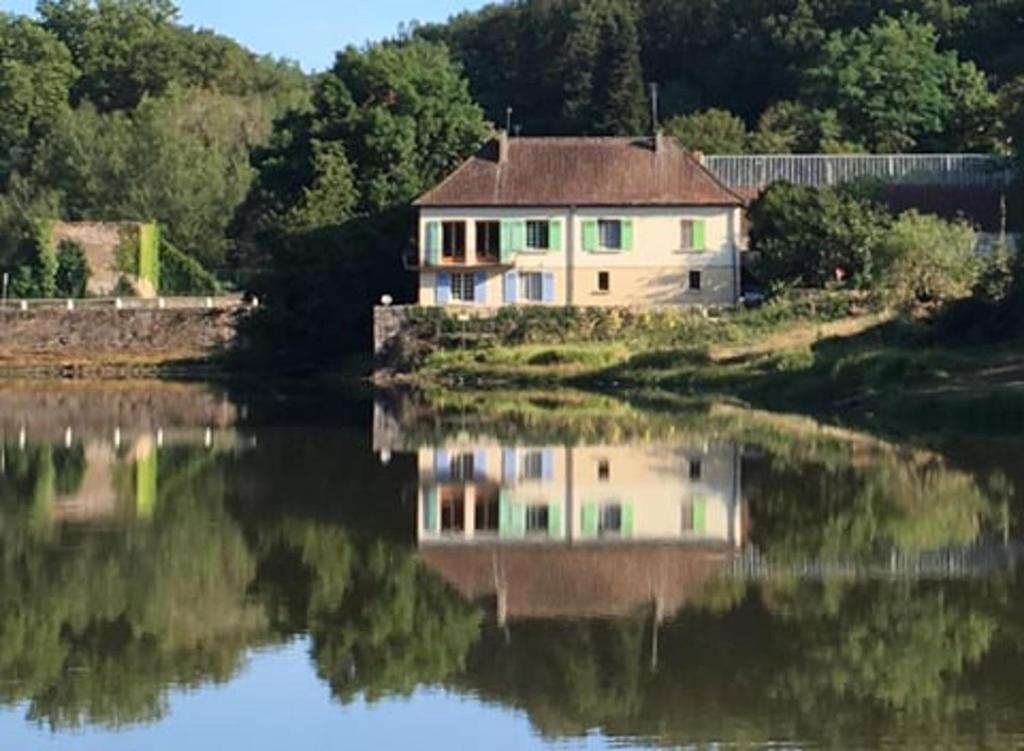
<point>695,281</point>
<point>487,509</point>
<point>532,286</point>
<point>536,519</point>
<point>696,469</point>
<point>609,233</point>
<point>453,509</point>
<point>463,287</point>
<point>488,240</point>
<point>610,521</point>
<point>687,517</point>
<point>687,235</point>
<point>604,281</point>
<point>453,241</point>
<point>604,470</point>
<point>533,465</point>
<point>538,235</point>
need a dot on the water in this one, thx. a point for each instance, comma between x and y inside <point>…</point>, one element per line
<point>181,567</point>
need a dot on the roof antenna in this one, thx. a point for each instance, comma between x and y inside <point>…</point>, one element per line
<point>518,129</point>
<point>508,119</point>
<point>654,108</point>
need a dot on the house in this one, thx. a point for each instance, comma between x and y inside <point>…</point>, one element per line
<point>480,492</point>
<point>579,221</point>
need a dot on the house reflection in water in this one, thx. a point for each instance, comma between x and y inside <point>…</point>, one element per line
<point>589,531</point>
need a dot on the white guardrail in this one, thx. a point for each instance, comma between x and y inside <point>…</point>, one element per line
<point>220,302</point>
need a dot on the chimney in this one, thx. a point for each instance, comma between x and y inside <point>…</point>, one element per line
<point>502,147</point>
<point>699,156</point>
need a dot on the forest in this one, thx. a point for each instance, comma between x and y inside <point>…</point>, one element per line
<point>297,185</point>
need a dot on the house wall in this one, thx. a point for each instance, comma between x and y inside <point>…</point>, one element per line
<point>654,272</point>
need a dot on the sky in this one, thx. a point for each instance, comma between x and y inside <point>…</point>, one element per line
<point>309,31</point>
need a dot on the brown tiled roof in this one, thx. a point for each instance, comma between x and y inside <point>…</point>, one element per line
<point>582,172</point>
<point>580,582</point>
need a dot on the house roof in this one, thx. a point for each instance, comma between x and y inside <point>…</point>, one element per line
<point>581,172</point>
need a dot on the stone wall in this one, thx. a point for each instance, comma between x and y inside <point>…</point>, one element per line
<point>106,336</point>
<point>101,242</point>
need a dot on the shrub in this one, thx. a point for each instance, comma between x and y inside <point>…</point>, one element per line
<point>72,274</point>
<point>926,259</point>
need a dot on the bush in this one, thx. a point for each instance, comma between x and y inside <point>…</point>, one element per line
<point>926,259</point>
<point>813,237</point>
<point>72,274</point>
<point>183,275</point>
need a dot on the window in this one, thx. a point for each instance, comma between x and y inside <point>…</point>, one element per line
<point>533,465</point>
<point>609,233</point>
<point>687,238</point>
<point>536,519</point>
<point>531,285</point>
<point>695,280</point>
<point>604,470</point>
<point>604,281</point>
<point>488,240</point>
<point>463,287</point>
<point>453,241</point>
<point>538,235</point>
<point>453,509</point>
<point>461,467</point>
<point>610,521</point>
<point>696,469</point>
<point>487,509</point>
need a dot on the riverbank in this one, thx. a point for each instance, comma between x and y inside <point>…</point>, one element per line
<point>874,370</point>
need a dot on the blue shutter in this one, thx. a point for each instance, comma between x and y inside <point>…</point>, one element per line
<point>442,466</point>
<point>509,469</point>
<point>479,465</point>
<point>547,463</point>
<point>549,287</point>
<point>511,287</point>
<point>444,288</point>
<point>480,291</point>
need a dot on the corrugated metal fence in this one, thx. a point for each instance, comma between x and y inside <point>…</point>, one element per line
<point>953,170</point>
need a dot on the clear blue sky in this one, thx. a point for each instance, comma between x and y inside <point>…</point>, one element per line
<point>309,31</point>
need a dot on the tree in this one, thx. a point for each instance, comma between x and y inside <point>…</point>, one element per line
<point>814,236</point>
<point>603,77</point>
<point>924,258</point>
<point>35,76</point>
<point>789,127</point>
<point>894,90</point>
<point>72,274</point>
<point>711,131</point>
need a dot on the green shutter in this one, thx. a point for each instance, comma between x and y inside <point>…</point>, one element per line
<point>698,235</point>
<point>699,515</point>
<point>589,520</point>
<point>627,234</point>
<point>555,520</point>
<point>511,517</point>
<point>518,235</point>
<point>430,509</point>
<point>627,520</point>
<point>590,235</point>
<point>554,235</point>
<point>433,243</point>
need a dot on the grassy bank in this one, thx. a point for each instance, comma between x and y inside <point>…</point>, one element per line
<point>866,368</point>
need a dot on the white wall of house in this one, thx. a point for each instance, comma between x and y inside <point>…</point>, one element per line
<point>656,270</point>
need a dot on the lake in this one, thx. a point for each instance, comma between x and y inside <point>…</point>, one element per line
<point>185,566</point>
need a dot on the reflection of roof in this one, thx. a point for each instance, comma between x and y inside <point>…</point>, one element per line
<point>582,581</point>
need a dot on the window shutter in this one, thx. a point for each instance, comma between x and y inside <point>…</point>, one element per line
<point>479,465</point>
<point>430,509</point>
<point>511,287</point>
<point>517,512</point>
<point>547,464</point>
<point>518,235</point>
<point>509,468</point>
<point>548,284</point>
<point>627,234</point>
<point>590,235</point>
<point>444,288</point>
<point>433,241</point>
<point>554,520</point>
<point>589,520</point>
<point>442,466</point>
<point>554,235</point>
<point>698,235</point>
<point>505,522</point>
<point>699,515</point>
<point>627,520</point>
<point>505,241</point>
<point>480,291</point>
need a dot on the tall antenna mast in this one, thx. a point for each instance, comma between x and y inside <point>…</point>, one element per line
<point>654,108</point>
<point>508,119</point>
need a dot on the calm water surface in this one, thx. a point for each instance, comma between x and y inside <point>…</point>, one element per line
<point>181,567</point>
